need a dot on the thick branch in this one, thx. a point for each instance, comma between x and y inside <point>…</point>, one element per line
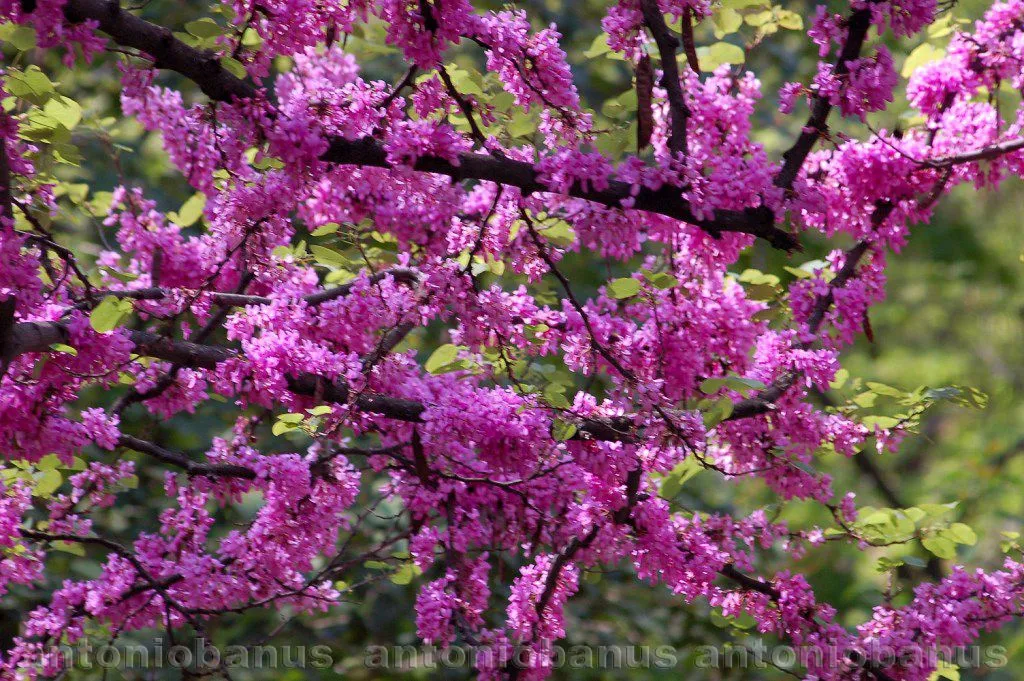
<point>6,197</point>
<point>667,46</point>
<point>664,201</point>
<point>205,70</point>
<point>128,30</point>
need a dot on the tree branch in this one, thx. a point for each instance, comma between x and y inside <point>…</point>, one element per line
<point>39,336</point>
<point>667,46</point>
<point>205,70</point>
<point>984,154</point>
<point>192,468</point>
<point>858,24</point>
<point>6,196</point>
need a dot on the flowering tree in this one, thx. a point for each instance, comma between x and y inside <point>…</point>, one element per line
<point>545,428</point>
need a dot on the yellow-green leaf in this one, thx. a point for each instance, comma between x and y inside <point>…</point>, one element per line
<point>204,28</point>
<point>65,111</point>
<point>623,288</point>
<point>190,211</point>
<point>441,358</point>
<point>328,257</point>
<point>19,36</point>
<point>713,56</point>
<point>233,66</point>
<point>48,483</point>
<point>921,55</point>
<point>109,314</point>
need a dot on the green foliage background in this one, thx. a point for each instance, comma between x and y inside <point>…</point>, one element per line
<point>954,315</point>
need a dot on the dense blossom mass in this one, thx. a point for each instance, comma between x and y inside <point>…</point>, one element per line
<point>549,427</point>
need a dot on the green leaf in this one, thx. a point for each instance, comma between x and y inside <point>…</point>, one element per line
<point>467,82</point>
<point>109,314</point>
<point>251,38</point>
<point>31,85</point>
<point>522,124</point>
<point>961,534</point>
<point>204,28</point>
<point>74,548</point>
<point>710,386</point>
<point>762,18</point>
<point>406,573</point>
<point>441,357</point>
<point>757,277</point>
<point>65,111</point>
<point>626,287</point>
<point>883,422</point>
<point>789,20</point>
<point>559,233</point>
<point>598,47</point>
<point>840,380</point>
<point>99,206</point>
<point>562,430</point>
<point>945,670</point>
<point>554,394</point>
<point>64,348</point>
<point>48,483</point>
<point>19,36</point>
<point>744,4</point>
<point>120,276</point>
<point>48,462</point>
<point>190,211</point>
<point>940,546</point>
<point>713,56</point>
<point>281,427</point>
<point>328,257</point>
<point>883,389</point>
<point>921,55</point>
<point>719,411</point>
<point>324,230</point>
<point>673,482</point>
<point>744,386</point>
<point>234,67</point>
<point>662,280</point>
<point>726,20</point>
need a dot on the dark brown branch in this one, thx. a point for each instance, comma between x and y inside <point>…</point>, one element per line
<point>202,68</point>
<point>192,468</point>
<point>857,29</point>
<point>749,583</point>
<point>6,196</point>
<point>8,306</point>
<point>664,201</point>
<point>667,46</point>
<point>205,70</point>
<point>194,355</point>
